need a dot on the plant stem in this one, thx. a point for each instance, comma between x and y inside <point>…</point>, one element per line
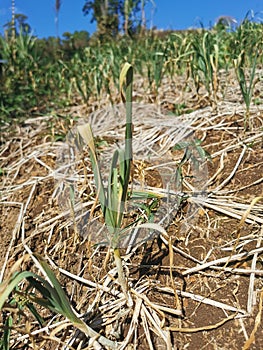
<point>121,276</point>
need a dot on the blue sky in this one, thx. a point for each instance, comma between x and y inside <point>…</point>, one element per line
<point>168,14</point>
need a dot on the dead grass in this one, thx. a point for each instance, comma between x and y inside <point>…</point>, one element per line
<point>197,287</point>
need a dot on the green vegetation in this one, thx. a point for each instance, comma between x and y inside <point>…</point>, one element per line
<point>43,76</point>
<point>52,297</point>
<point>113,198</point>
<point>47,292</point>
<point>40,75</point>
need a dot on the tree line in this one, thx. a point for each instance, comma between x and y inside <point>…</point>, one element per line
<point>112,17</point>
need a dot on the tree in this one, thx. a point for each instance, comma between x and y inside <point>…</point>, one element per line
<point>74,42</point>
<point>106,13</point>
<point>131,7</point>
<point>112,16</point>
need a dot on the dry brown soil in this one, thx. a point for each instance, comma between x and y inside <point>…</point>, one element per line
<point>28,206</point>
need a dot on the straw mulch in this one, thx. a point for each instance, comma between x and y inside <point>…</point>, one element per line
<point>199,286</point>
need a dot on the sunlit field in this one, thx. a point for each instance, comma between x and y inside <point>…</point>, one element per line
<point>131,198</point>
